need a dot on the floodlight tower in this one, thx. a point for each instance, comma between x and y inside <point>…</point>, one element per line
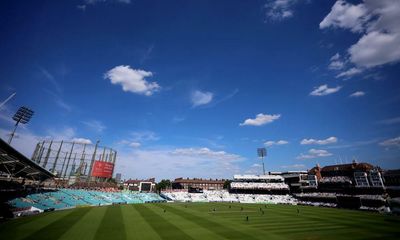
<point>23,115</point>
<point>262,153</point>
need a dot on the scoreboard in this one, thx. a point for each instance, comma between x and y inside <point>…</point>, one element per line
<point>102,169</point>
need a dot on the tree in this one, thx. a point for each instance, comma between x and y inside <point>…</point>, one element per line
<point>227,183</point>
<point>163,184</point>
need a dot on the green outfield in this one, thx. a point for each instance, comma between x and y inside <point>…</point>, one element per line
<point>200,221</point>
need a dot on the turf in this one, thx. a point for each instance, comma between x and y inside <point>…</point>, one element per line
<point>200,221</point>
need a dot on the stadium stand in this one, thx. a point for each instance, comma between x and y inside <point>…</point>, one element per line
<point>146,185</point>
<point>28,188</point>
<point>225,196</point>
<point>262,184</point>
<point>70,198</point>
<point>258,185</point>
<point>207,184</point>
<point>17,165</point>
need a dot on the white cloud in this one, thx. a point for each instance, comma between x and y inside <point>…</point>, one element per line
<point>355,144</point>
<point>82,140</point>
<point>256,165</point>
<point>103,1</point>
<point>260,120</point>
<point>225,98</point>
<point>378,22</point>
<point>336,63</point>
<point>349,72</point>
<point>81,7</point>
<point>132,80</point>
<point>271,143</point>
<point>95,125</point>
<point>310,141</point>
<point>335,57</point>
<point>201,98</point>
<point>135,144</point>
<point>147,54</point>
<point>65,133</point>
<point>357,94</point>
<point>206,152</point>
<point>393,142</point>
<point>390,121</point>
<point>6,114</point>
<point>178,119</point>
<point>278,10</point>
<point>324,90</point>
<point>314,153</point>
<point>86,3</point>
<point>345,15</point>
<point>26,140</point>
<point>59,101</point>
<point>62,104</point>
<point>136,139</point>
<point>175,162</point>
<point>51,79</point>
<point>141,136</point>
<point>254,169</point>
<point>376,48</point>
<point>294,167</point>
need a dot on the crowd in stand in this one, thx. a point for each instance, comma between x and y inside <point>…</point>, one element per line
<point>258,185</point>
<point>225,196</point>
<point>96,186</point>
<point>336,179</point>
<point>317,194</point>
<point>69,198</point>
<point>334,195</point>
<point>317,204</point>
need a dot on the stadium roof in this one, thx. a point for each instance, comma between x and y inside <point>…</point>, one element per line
<point>17,165</point>
<point>348,167</point>
<point>153,180</point>
<point>199,180</point>
<point>257,177</point>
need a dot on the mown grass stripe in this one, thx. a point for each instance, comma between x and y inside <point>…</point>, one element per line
<point>335,219</point>
<point>267,226</point>
<point>112,224</point>
<point>22,227</point>
<point>164,229</point>
<point>219,229</point>
<point>306,229</point>
<point>136,226</point>
<point>87,226</point>
<point>189,227</point>
<point>198,221</point>
<point>57,228</point>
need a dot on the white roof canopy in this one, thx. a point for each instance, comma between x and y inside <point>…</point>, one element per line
<point>257,177</point>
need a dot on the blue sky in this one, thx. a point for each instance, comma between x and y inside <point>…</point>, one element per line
<point>192,88</point>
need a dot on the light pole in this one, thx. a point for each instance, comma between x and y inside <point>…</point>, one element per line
<point>23,115</point>
<point>262,152</point>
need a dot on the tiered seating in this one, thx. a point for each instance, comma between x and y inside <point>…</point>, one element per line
<point>258,185</point>
<point>68,198</point>
<point>179,196</point>
<point>225,196</point>
<point>46,200</point>
<point>24,203</point>
<point>336,179</point>
<point>71,198</point>
<point>130,197</point>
